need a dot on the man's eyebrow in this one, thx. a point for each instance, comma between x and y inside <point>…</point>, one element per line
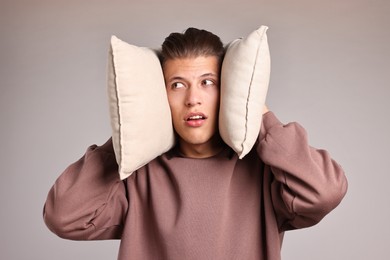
<point>209,75</point>
<point>206,75</point>
<point>175,78</point>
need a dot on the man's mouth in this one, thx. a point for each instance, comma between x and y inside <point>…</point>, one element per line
<point>196,117</point>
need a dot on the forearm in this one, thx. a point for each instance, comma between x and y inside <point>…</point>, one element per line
<point>308,182</point>
<point>88,200</point>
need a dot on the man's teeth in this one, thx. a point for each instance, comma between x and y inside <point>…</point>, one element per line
<point>195,117</point>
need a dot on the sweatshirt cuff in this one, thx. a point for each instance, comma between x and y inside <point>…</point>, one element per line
<point>269,121</point>
<point>108,146</point>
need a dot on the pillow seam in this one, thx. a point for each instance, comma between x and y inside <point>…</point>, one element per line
<point>118,109</point>
<point>249,94</point>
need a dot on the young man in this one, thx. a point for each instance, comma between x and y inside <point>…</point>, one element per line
<point>199,201</point>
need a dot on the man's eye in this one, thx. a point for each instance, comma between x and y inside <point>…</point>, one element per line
<point>208,82</point>
<point>177,85</point>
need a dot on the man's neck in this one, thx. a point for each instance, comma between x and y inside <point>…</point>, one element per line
<point>199,151</point>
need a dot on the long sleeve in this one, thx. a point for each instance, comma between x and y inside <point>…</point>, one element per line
<point>88,200</point>
<point>308,183</point>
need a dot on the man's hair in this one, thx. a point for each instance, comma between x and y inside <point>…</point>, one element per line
<point>190,44</point>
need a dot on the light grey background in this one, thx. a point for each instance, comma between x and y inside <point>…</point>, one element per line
<point>330,72</point>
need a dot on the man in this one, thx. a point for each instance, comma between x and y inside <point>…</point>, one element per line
<point>199,201</point>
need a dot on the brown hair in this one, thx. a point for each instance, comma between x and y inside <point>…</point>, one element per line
<point>192,43</point>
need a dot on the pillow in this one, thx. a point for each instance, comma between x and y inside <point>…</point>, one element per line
<point>244,84</point>
<point>139,111</point>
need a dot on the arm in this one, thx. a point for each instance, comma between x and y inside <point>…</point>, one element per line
<point>88,201</point>
<point>308,183</point>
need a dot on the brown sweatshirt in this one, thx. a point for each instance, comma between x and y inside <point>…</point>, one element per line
<point>217,208</point>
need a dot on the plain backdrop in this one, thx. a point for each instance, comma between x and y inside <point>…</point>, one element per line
<point>330,72</point>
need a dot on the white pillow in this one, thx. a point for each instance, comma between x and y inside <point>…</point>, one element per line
<point>139,110</point>
<point>244,84</point>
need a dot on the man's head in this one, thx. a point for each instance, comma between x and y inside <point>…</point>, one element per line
<point>190,44</point>
<point>191,64</point>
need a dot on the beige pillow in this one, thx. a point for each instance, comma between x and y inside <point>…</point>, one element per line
<point>139,111</point>
<point>244,84</point>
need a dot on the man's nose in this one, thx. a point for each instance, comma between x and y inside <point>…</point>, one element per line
<point>193,96</point>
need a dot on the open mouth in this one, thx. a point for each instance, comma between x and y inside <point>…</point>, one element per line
<point>196,117</point>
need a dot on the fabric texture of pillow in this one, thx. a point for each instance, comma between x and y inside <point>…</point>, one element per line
<point>244,85</point>
<point>139,111</point>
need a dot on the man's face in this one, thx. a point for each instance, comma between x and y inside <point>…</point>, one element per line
<point>192,85</point>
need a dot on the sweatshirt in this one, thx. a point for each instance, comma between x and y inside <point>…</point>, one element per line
<point>215,208</point>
